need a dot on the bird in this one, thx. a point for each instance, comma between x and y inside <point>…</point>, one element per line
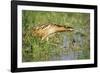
<point>45,30</point>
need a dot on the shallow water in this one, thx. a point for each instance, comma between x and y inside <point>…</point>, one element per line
<point>68,47</point>
<point>71,55</point>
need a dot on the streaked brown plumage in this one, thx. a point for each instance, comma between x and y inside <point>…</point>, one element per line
<point>44,31</point>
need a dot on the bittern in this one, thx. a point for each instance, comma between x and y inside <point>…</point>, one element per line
<point>44,31</point>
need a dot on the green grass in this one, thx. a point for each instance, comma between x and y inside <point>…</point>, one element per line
<point>34,49</point>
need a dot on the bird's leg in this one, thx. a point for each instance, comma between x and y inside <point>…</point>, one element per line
<point>45,37</point>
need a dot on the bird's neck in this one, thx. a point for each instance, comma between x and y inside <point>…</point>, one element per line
<point>61,29</point>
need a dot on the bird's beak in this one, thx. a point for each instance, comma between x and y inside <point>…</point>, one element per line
<point>71,29</point>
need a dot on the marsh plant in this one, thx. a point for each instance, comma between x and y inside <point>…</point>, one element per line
<point>61,45</point>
